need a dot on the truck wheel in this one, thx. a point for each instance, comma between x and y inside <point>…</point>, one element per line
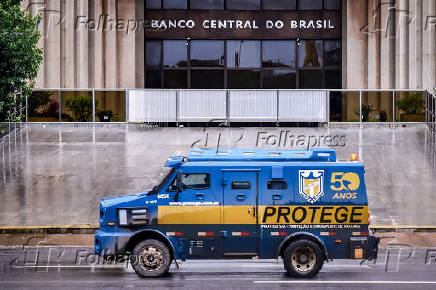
<point>151,258</point>
<point>303,259</point>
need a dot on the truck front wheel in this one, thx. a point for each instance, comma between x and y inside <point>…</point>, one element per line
<point>303,259</point>
<point>151,258</point>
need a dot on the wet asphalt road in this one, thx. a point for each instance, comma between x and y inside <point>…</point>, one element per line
<point>76,267</point>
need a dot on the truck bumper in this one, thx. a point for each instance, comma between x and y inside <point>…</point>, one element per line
<point>110,243</point>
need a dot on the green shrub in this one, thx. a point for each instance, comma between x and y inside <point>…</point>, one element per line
<point>81,108</point>
<point>411,103</point>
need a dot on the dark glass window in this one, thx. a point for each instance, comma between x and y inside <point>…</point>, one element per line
<point>332,53</point>
<point>310,54</point>
<point>152,79</point>
<point>207,79</point>
<point>279,4</point>
<point>174,53</point>
<point>243,53</point>
<point>195,180</point>
<point>240,184</point>
<point>207,53</point>
<point>277,184</point>
<point>243,79</point>
<point>332,4</point>
<point>310,79</point>
<point>279,79</point>
<point>153,4</point>
<point>153,52</point>
<point>207,4</point>
<point>175,79</point>
<point>309,4</point>
<point>243,4</point>
<point>333,79</point>
<point>175,4</point>
<point>278,53</point>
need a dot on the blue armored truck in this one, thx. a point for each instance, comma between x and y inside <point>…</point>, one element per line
<point>302,206</point>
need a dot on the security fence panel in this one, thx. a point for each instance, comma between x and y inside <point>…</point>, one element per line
<point>152,106</point>
<point>201,105</point>
<point>302,106</point>
<point>253,106</point>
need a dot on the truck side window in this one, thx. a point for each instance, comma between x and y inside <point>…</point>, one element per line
<point>192,181</point>
<point>240,184</point>
<point>277,184</point>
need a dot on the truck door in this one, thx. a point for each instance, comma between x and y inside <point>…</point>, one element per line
<point>240,221</point>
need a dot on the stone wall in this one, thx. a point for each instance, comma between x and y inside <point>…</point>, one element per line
<point>386,44</point>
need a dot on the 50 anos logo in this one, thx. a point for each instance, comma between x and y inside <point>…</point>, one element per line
<point>344,183</point>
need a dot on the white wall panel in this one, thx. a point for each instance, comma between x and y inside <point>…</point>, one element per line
<point>303,106</point>
<point>253,106</point>
<point>201,105</point>
<point>152,105</point>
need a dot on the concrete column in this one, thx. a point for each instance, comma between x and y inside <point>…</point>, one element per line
<point>126,44</point>
<point>139,46</point>
<point>81,48</point>
<point>109,44</point>
<point>68,67</point>
<point>429,45</point>
<point>96,45</point>
<point>343,43</point>
<point>357,44</point>
<point>403,18</point>
<point>52,44</point>
<point>373,44</point>
<point>414,43</point>
<point>387,51</point>
<point>35,9</point>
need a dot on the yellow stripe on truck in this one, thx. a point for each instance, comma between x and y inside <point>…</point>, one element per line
<point>296,214</point>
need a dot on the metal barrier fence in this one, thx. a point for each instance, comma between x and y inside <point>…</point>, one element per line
<point>7,129</point>
<point>185,105</point>
<point>430,112</point>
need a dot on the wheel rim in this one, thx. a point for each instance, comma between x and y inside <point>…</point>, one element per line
<point>303,259</point>
<point>151,258</point>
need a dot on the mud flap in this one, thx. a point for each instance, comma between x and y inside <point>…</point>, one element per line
<point>364,247</point>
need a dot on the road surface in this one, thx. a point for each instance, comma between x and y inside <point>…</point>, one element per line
<point>77,267</point>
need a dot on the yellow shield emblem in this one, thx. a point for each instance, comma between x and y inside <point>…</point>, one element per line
<point>311,184</point>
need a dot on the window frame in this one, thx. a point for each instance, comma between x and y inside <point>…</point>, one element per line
<point>202,188</point>
<point>276,181</point>
<point>241,181</point>
<point>226,69</point>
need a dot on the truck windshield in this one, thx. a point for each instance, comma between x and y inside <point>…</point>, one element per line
<point>164,175</point>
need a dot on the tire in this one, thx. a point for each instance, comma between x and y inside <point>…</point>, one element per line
<point>151,258</point>
<point>303,259</point>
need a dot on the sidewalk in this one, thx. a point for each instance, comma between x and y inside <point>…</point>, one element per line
<point>56,175</point>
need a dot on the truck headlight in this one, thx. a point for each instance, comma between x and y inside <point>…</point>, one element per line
<point>134,216</point>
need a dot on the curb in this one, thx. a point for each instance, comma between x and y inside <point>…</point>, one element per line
<point>58,229</point>
<point>92,228</point>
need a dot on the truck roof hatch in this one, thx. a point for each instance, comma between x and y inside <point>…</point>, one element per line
<point>316,154</point>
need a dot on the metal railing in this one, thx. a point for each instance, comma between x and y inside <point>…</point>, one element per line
<point>430,112</point>
<point>340,105</point>
<point>9,128</point>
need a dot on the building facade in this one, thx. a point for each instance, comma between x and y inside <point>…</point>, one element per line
<point>237,43</point>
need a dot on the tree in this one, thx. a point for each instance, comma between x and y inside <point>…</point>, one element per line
<point>19,56</point>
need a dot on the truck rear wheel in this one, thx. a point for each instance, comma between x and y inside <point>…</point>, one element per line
<point>303,259</point>
<point>151,258</point>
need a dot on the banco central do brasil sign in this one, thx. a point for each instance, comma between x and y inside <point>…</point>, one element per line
<point>224,24</point>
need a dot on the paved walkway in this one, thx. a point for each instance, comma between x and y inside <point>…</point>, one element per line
<point>56,175</point>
